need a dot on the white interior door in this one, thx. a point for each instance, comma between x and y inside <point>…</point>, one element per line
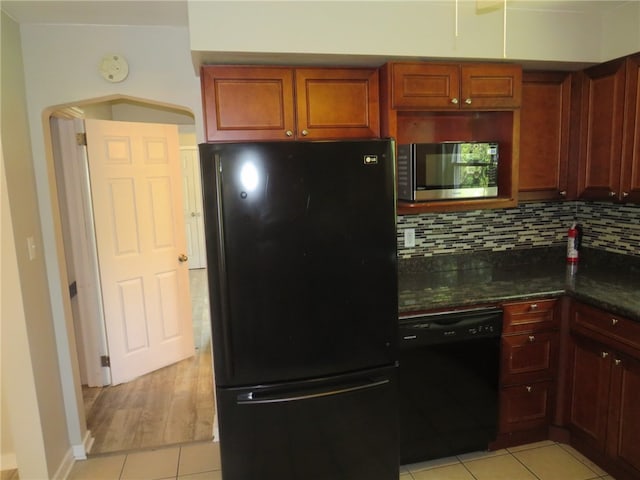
<point>134,170</point>
<point>193,219</point>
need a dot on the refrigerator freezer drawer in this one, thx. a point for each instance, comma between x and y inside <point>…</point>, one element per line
<point>331,429</point>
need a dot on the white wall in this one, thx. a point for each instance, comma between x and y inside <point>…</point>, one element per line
<point>31,375</point>
<point>60,68</point>
<point>374,30</point>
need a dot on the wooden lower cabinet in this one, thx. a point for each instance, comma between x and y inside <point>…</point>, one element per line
<point>526,407</point>
<point>603,407</point>
<point>529,359</point>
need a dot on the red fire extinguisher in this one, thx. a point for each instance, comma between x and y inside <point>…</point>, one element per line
<point>574,237</point>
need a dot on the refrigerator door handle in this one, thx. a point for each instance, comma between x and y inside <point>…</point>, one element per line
<point>252,398</point>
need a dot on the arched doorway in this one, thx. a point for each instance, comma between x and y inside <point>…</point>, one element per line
<point>181,408</point>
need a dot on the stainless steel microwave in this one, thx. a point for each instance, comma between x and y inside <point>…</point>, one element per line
<point>447,170</point>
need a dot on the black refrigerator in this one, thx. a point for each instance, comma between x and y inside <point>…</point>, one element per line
<point>302,269</point>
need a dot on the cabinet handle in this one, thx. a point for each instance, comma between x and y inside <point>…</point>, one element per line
<point>468,101</point>
<point>305,133</point>
<point>563,193</point>
<point>529,388</point>
<point>617,361</point>
<point>625,194</point>
<point>614,321</point>
<point>604,354</point>
<point>532,339</point>
<point>533,306</point>
<point>454,101</point>
<point>289,133</point>
<point>612,194</point>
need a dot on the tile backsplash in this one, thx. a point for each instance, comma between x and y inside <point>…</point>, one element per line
<point>606,226</point>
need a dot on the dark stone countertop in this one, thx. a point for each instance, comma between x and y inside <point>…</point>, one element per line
<point>605,280</point>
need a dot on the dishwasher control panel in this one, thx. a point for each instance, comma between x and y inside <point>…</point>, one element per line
<point>449,326</point>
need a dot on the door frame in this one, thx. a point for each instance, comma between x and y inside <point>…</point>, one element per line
<point>89,325</point>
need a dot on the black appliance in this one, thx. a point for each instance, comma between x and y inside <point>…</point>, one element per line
<point>301,248</point>
<point>448,383</point>
<point>447,170</point>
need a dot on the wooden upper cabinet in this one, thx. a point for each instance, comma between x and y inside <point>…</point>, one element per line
<point>337,103</point>
<point>630,170</point>
<point>278,103</point>
<point>544,136</point>
<point>603,103</point>
<point>246,103</point>
<point>428,86</point>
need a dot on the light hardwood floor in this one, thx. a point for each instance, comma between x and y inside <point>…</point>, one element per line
<point>170,406</point>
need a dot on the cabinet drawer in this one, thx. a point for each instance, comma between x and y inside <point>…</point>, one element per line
<point>525,407</point>
<point>611,329</point>
<point>530,316</point>
<point>529,357</point>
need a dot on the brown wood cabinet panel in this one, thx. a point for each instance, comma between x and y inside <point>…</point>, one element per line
<point>421,85</point>
<point>624,418</point>
<point>544,138</point>
<point>247,103</point>
<point>589,391</point>
<point>532,316</point>
<point>603,96</point>
<point>446,86</point>
<point>337,103</point>
<point>630,183</point>
<point>529,357</point>
<point>490,86</point>
<point>612,330</point>
<point>525,407</point>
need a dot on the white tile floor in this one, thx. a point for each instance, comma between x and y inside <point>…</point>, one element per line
<point>199,461</point>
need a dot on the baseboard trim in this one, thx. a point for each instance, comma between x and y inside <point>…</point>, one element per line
<point>64,469</point>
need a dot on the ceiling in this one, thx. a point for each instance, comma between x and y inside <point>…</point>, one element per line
<point>174,12</point>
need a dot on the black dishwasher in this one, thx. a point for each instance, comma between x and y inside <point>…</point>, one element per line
<point>448,383</point>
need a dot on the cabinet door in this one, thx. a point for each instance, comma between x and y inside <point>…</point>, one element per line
<point>247,103</point>
<point>426,85</point>
<point>631,143</point>
<point>337,103</point>
<point>544,135</point>
<point>490,86</point>
<point>524,407</point>
<point>589,391</point>
<point>623,439</point>
<point>529,357</point>
<point>601,135</point>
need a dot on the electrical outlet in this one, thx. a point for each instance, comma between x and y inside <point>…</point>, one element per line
<point>409,237</point>
<point>31,248</point>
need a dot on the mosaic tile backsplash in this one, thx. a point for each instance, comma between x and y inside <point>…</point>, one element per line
<point>611,227</point>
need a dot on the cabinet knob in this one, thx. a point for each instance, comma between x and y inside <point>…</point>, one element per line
<point>614,321</point>
<point>289,133</point>
<point>617,361</point>
<point>612,194</point>
<point>468,101</point>
<point>625,194</point>
<point>533,306</point>
<point>529,388</point>
<point>532,338</point>
<point>563,193</point>
<point>604,354</point>
<point>454,101</point>
<point>305,133</point>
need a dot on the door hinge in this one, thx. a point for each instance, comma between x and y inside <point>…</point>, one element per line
<point>81,139</point>
<point>105,361</point>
